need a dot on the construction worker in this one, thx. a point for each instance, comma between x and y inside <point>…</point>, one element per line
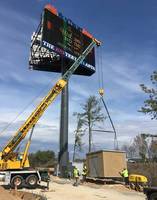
<point>48,179</point>
<point>125,175</point>
<point>84,173</point>
<point>76,175</point>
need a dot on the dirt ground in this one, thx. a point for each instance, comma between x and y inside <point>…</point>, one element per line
<point>64,190</point>
<point>6,195</point>
<point>61,189</point>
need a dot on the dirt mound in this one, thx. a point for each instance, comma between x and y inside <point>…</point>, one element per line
<point>16,195</point>
<point>27,196</point>
<point>6,195</point>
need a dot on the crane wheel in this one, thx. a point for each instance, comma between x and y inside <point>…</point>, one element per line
<point>32,181</point>
<point>153,196</point>
<point>17,181</point>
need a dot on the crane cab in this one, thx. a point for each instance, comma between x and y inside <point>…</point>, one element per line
<point>14,163</point>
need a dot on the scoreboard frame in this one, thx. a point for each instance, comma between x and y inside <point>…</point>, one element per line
<point>62,37</point>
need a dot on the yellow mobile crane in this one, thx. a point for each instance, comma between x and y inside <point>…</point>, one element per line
<point>15,163</point>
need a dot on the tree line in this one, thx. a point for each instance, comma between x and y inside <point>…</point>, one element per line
<point>42,159</point>
<point>142,148</point>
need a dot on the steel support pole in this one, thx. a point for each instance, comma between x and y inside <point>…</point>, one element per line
<point>63,152</point>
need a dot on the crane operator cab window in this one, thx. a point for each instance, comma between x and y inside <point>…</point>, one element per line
<point>20,156</point>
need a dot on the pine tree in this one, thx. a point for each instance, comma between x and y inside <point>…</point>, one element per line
<point>150,104</point>
<point>91,114</point>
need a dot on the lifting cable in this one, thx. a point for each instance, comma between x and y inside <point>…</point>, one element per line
<point>98,64</point>
<point>101,68</point>
<point>113,127</point>
<point>101,92</point>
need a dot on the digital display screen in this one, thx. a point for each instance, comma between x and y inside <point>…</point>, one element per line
<point>64,38</point>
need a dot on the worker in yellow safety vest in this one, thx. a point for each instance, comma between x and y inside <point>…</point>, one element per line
<point>76,175</point>
<point>125,175</point>
<point>84,173</point>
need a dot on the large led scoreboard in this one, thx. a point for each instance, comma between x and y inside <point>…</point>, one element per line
<point>61,36</point>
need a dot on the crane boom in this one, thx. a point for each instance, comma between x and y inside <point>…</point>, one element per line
<point>38,112</point>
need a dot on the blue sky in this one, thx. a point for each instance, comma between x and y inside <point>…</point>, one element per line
<point>128,31</point>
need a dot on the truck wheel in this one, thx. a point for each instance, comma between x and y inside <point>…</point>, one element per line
<point>32,181</point>
<point>17,181</point>
<point>153,196</point>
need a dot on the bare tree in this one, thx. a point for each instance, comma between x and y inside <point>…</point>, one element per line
<point>130,150</point>
<point>125,148</point>
<point>153,150</point>
<point>141,145</point>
